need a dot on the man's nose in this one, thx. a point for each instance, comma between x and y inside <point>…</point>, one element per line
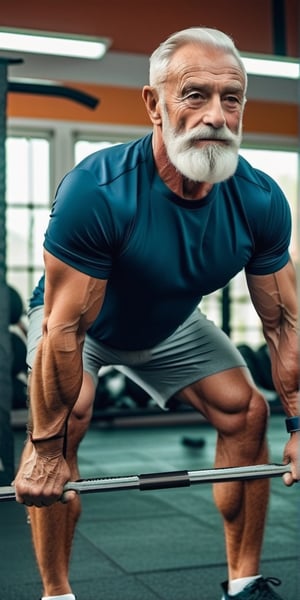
<point>214,113</point>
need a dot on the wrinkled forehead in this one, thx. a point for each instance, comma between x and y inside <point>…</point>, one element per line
<point>193,60</point>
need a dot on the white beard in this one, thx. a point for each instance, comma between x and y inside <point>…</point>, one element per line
<point>213,163</point>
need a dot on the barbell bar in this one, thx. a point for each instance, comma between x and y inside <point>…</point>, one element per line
<point>165,480</point>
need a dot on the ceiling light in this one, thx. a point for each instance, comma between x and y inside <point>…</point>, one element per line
<point>59,44</point>
<point>271,66</point>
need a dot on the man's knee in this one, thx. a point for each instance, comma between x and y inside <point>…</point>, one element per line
<point>230,402</point>
<point>242,435</point>
<point>256,407</point>
<point>250,417</point>
<point>257,413</point>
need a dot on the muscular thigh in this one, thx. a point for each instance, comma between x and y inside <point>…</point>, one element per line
<point>223,398</point>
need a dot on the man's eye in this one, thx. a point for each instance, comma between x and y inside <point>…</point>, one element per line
<point>194,97</point>
<point>232,99</point>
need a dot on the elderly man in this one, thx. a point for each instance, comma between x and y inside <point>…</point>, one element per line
<point>138,234</point>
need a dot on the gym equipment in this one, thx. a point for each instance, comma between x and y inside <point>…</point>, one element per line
<point>165,480</point>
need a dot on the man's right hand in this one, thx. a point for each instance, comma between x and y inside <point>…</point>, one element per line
<point>41,477</point>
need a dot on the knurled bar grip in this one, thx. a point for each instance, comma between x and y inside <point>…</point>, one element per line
<point>165,480</point>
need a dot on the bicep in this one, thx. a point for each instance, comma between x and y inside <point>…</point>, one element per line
<point>274,296</point>
<point>70,295</point>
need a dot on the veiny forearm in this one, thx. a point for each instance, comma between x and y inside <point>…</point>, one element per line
<point>55,381</point>
<point>274,297</point>
<point>283,346</point>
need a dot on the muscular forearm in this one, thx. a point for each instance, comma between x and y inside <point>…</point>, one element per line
<point>274,297</point>
<point>283,346</point>
<point>55,383</point>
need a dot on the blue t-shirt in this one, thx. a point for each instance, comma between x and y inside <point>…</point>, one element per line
<point>113,218</point>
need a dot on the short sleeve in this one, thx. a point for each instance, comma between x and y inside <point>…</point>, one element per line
<point>272,233</point>
<point>80,230</point>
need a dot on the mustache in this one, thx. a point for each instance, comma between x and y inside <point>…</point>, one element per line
<point>207,133</point>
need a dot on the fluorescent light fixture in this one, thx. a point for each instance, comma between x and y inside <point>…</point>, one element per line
<point>271,66</point>
<point>59,44</point>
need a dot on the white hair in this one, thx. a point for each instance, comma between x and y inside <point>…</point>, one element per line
<point>161,57</point>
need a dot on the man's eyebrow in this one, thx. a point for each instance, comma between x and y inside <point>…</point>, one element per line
<point>234,87</point>
<point>191,87</point>
<point>229,88</point>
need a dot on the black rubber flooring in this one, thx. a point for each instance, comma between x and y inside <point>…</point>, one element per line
<point>154,545</point>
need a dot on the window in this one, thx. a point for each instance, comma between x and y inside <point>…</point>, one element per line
<point>28,201</point>
<point>86,144</point>
<point>83,148</point>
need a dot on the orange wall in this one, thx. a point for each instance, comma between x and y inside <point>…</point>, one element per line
<point>125,106</point>
<point>138,26</point>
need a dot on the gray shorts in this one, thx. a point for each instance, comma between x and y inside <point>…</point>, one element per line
<point>195,350</point>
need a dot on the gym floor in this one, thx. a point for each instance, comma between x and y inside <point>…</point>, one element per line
<point>154,545</point>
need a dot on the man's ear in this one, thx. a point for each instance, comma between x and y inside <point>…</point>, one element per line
<point>151,99</point>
